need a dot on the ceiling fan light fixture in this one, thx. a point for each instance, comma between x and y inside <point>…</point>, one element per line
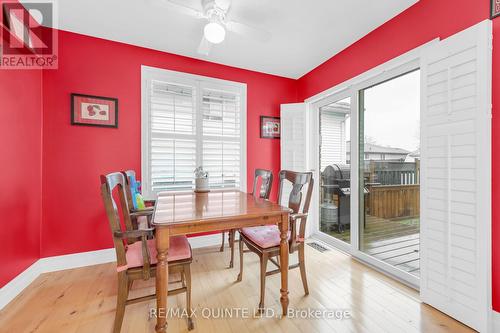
<point>214,32</point>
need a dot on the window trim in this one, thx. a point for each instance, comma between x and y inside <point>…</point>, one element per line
<point>152,73</point>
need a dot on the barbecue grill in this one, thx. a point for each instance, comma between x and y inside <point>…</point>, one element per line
<point>336,197</point>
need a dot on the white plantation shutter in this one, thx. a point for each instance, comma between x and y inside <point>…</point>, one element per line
<point>173,136</point>
<point>221,138</point>
<point>190,121</point>
<point>456,176</point>
<point>293,137</point>
<point>293,142</point>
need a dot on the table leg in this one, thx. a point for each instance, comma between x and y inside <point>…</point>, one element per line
<point>284,263</point>
<point>162,245</point>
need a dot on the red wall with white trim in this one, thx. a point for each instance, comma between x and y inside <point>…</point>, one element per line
<point>75,156</point>
<point>421,23</point>
<point>20,172</point>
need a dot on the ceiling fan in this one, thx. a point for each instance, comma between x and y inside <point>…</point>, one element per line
<point>216,13</point>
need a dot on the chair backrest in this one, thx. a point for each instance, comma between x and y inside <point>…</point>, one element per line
<point>267,183</point>
<point>109,183</point>
<point>298,180</point>
<point>128,174</point>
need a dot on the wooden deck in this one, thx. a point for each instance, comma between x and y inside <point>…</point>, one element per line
<point>395,241</point>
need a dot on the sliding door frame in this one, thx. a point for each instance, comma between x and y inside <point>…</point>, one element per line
<point>401,65</point>
<point>315,164</point>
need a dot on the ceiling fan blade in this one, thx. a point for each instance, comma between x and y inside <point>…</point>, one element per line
<point>223,4</point>
<point>172,5</point>
<point>249,31</point>
<point>204,47</point>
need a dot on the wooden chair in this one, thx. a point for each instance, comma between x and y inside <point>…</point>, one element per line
<point>137,259</point>
<point>265,240</point>
<point>139,217</point>
<point>264,191</point>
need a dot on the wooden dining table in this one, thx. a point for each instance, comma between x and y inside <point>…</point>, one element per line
<point>191,213</point>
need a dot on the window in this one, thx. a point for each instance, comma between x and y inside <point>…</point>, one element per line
<point>334,129</point>
<point>389,199</point>
<point>190,121</point>
<point>354,199</point>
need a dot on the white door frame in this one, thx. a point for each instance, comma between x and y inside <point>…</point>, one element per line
<point>401,65</point>
<point>313,112</point>
<point>391,69</point>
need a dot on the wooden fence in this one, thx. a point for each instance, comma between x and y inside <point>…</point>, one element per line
<point>392,172</point>
<point>393,201</point>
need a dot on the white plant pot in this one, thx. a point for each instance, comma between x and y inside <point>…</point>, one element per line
<point>201,185</point>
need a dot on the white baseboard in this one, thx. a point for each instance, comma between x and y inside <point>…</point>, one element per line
<point>58,263</point>
<point>52,264</point>
<point>206,240</point>
<point>16,285</point>
<point>75,260</point>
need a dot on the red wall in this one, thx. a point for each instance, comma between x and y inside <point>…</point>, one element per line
<point>426,20</point>
<point>495,158</point>
<point>20,176</point>
<point>74,156</point>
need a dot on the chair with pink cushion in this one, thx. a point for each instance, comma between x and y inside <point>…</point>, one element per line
<point>136,254</point>
<point>265,240</point>
<point>263,192</point>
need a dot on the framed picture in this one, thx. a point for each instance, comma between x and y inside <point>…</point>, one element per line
<point>270,127</point>
<point>90,110</point>
<point>495,8</point>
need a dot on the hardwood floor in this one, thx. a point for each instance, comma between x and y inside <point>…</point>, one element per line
<point>83,300</point>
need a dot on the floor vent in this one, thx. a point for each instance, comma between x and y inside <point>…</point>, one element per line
<point>318,247</point>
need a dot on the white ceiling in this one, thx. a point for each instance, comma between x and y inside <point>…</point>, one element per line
<point>304,33</point>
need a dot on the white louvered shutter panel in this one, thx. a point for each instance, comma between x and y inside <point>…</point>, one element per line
<point>456,175</point>
<point>293,142</point>
<point>221,125</point>
<point>293,137</point>
<point>172,136</point>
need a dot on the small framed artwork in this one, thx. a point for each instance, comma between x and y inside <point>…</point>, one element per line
<point>495,8</point>
<point>270,127</point>
<point>88,110</point>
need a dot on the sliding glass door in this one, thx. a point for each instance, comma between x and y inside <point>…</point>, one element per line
<point>389,168</point>
<point>368,170</point>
